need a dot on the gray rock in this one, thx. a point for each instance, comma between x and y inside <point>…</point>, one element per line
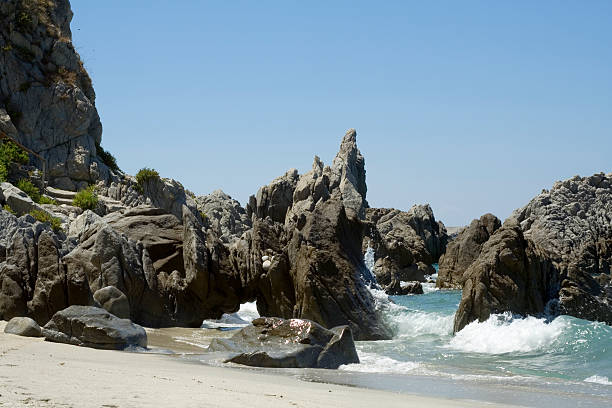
<point>225,215</point>
<point>274,199</point>
<point>463,250</point>
<point>113,301</point>
<point>89,326</point>
<point>23,326</point>
<point>294,343</point>
<point>19,201</point>
<point>408,288</point>
<point>48,102</point>
<point>558,248</point>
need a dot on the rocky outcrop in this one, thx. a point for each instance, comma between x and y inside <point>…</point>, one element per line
<point>23,326</point>
<point>554,253</point>
<point>226,217</point>
<point>89,326</point>
<point>463,250</point>
<point>274,199</point>
<point>315,260</point>
<point>47,101</point>
<point>294,343</point>
<point>405,243</point>
<point>398,288</point>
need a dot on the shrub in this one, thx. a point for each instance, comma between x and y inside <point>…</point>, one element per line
<point>145,174</point>
<point>30,189</point>
<point>10,153</point>
<point>8,208</point>
<point>86,199</point>
<point>204,216</point>
<point>46,200</point>
<point>43,216</point>
<point>107,158</point>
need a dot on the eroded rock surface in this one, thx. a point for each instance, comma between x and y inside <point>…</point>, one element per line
<point>463,250</point>
<point>556,252</point>
<point>293,343</point>
<point>227,218</point>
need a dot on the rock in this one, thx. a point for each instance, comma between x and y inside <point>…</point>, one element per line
<point>274,199</point>
<point>266,265</point>
<point>89,326</point>
<point>19,201</point>
<point>113,301</point>
<point>404,288</point>
<point>548,252</point>
<point>294,343</point>
<point>23,326</point>
<point>227,218</point>
<point>463,250</point>
<point>405,243</point>
<point>47,99</point>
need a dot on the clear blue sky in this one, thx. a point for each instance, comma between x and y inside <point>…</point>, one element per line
<point>471,106</point>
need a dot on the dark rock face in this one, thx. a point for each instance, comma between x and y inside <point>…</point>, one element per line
<point>556,247</point>
<point>294,343</point>
<point>23,326</point>
<point>274,199</point>
<point>409,288</point>
<point>89,326</point>
<point>47,101</point>
<point>463,250</point>
<point>405,243</point>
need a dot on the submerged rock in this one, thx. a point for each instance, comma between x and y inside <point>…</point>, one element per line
<point>90,326</point>
<point>558,248</point>
<point>23,326</point>
<point>293,343</point>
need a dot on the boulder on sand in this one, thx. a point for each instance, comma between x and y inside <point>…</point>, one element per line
<point>293,343</point>
<point>23,326</point>
<point>90,326</point>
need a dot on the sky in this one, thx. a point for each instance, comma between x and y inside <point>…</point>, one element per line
<point>470,106</point>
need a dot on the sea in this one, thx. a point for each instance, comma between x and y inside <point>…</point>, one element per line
<point>537,362</point>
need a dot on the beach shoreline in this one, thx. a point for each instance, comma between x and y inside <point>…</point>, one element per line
<point>43,374</point>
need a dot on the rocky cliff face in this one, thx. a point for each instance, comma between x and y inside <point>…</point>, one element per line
<point>47,101</point>
<point>463,250</point>
<point>556,252</point>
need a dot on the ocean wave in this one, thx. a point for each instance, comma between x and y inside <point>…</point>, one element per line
<point>375,363</point>
<point>598,379</point>
<point>243,317</point>
<point>503,333</point>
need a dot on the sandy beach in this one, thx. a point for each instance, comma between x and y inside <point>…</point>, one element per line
<point>36,373</point>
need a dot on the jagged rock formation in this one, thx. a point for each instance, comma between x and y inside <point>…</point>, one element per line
<point>405,243</point>
<point>226,217</point>
<point>47,101</point>
<point>556,249</point>
<point>463,250</point>
<point>274,199</point>
<point>293,343</point>
<point>315,252</point>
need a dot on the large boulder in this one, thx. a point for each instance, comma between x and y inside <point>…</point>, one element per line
<point>89,326</point>
<point>554,254</point>
<point>463,250</point>
<point>47,101</point>
<point>294,343</point>
<point>16,199</point>
<point>23,326</point>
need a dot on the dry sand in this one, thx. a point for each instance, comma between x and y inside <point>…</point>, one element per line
<point>35,373</point>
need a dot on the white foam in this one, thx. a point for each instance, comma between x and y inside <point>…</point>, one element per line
<point>598,379</point>
<point>413,324</point>
<point>243,317</point>
<point>375,363</point>
<point>502,333</point>
<point>368,259</point>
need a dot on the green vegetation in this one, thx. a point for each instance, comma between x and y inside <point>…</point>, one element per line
<point>204,216</point>
<point>10,153</point>
<point>9,209</point>
<point>107,158</point>
<point>46,200</point>
<point>43,216</point>
<point>144,175</point>
<point>86,199</point>
<point>24,20</point>
<point>7,47</point>
<point>30,189</point>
